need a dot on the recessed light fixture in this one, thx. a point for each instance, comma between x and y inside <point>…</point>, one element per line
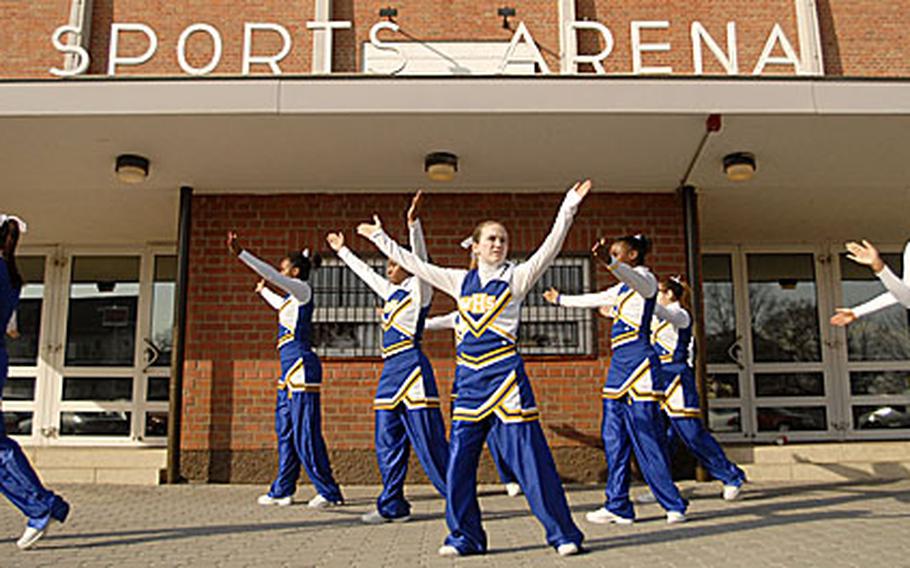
<point>131,168</point>
<point>440,166</point>
<point>739,166</point>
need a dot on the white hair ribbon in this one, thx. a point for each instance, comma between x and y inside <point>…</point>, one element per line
<point>677,279</point>
<point>305,252</point>
<point>466,244</point>
<point>23,227</point>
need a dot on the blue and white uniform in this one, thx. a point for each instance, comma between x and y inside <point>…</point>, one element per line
<point>633,391</point>
<point>506,475</point>
<point>672,338</point>
<point>298,414</point>
<point>494,394</point>
<point>407,400</point>
<point>18,481</point>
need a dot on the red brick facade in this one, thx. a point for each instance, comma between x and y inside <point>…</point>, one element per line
<point>231,363</point>
<point>859,38</point>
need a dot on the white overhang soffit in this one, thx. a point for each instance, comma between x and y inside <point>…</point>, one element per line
<point>369,95</point>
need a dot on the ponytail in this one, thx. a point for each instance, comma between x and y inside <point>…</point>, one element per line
<point>9,240</point>
<point>639,243</point>
<point>304,262</point>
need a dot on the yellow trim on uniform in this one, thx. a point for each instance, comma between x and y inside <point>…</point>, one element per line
<point>397,347</point>
<point>479,328</point>
<point>286,303</point>
<point>488,359</point>
<point>285,339</point>
<point>387,404</point>
<point>391,319</point>
<point>639,373</point>
<point>478,414</point>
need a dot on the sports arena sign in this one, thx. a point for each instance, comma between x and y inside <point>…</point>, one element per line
<point>521,51</point>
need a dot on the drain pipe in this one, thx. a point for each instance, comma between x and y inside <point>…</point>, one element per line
<point>175,387</point>
<point>689,198</point>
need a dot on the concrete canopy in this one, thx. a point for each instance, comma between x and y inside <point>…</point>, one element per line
<point>820,146</point>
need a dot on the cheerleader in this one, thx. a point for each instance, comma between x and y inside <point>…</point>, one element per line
<point>494,394</point>
<point>632,394</point>
<point>672,337</point>
<point>18,481</point>
<point>407,401</point>
<point>513,489</point>
<point>898,290</point>
<point>298,420</point>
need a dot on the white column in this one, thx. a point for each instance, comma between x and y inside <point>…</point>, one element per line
<point>810,41</point>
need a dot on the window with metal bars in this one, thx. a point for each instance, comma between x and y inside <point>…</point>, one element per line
<point>346,319</point>
<point>554,330</point>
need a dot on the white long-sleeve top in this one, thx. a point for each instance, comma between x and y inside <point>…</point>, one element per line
<point>899,289</point>
<point>523,275</point>
<point>420,291</point>
<point>893,284</point>
<point>295,287</point>
<point>640,279</point>
<point>445,321</point>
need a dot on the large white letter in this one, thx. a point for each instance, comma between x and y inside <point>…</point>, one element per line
<point>377,43</point>
<point>113,59</point>
<point>638,47</point>
<point>270,60</point>
<point>181,49</point>
<point>522,34</point>
<point>594,60</point>
<point>75,49</point>
<point>727,60</point>
<point>789,58</point>
<point>327,28</point>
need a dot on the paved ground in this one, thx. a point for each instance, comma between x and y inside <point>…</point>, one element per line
<point>829,525</point>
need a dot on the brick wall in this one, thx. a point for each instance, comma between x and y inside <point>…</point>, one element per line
<point>860,38</point>
<point>754,21</point>
<point>25,37</point>
<point>231,363</point>
<point>436,20</point>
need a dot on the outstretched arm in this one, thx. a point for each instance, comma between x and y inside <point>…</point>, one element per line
<point>376,282</point>
<point>271,298</point>
<point>607,298</point>
<point>676,315</point>
<point>866,253</point>
<point>447,280</point>
<point>642,282</point>
<point>446,321</point>
<point>527,273</point>
<point>293,286</point>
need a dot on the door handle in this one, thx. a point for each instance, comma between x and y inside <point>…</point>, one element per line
<point>153,350</point>
<point>734,351</point>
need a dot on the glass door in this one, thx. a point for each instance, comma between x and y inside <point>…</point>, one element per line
<point>27,346</point>
<point>791,386</point>
<point>771,360</point>
<point>876,354</point>
<point>92,365</point>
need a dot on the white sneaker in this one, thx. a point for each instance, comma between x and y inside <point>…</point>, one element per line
<point>448,551</point>
<point>567,549</point>
<point>731,492</point>
<point>604,517</point>
<point>269,500</point>
<point>674,517</point>
<point>320,502</point>
<point>646,498</point>
<point>30,537</point>
<point>513,489</point>
<point>374,518</point>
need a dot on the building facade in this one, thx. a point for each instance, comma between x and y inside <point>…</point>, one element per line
<point>286,120</point>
